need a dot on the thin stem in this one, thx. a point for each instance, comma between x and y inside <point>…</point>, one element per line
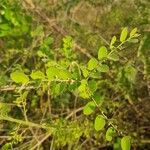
<point>26,123</point>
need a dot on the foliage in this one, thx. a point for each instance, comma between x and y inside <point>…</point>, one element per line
<point>57,97</point>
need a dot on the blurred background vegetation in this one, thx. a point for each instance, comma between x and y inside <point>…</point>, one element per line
<point>31,29</point>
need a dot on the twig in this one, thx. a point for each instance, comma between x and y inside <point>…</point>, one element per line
<point>74,112</point>
<point>40,142</point>
<point>26,123</point>
<point>12,88</point>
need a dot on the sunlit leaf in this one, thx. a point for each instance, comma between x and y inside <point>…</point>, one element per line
<point>113,40</point>
<point>41,54</point>
<point>37,75</point>
<point>52,72</point>
<point>103,68</point>
<point>5,27</point>
<point>83,89</point>
<point>109,134</point>
<point>99,123</point>
<point>19,77</point>
<point>126,143</point>
<point>92,63</point>
<point>133,32</point>
<point>85,72</point>
<point>124,34</point>
<point>64,74</point>
<point>89,108</point>
<point>102,53</point>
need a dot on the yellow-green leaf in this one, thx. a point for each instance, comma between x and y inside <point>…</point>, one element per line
<point>52,72</point>
<point>83,89</point>
<point>124,34</point>
<point>99,123</point>
<point>64,74</point>
<point>103,68</point>
<point>85,72</point>
<point>113,40</point>
<point>126,143</point>
<point>19,77</point>
<point>133,32</point>
<point>89,108</point>
<point>37,75</point>
<point>113,56</point>
<point>92,85</point>
<point>92,63</point>
<point>134,40</point>
<point>102,53</point>
<point>109,134</point>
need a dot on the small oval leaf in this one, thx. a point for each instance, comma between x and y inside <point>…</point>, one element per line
<point>92,85</point>
<point>113,40</point>
<point>133,32</point>
<point>85,72</point>
<point>103,68</point>
<point>99,123</point>
<point>89,108</point>
<point>126,143</point>
<point>134,40</point>
<point>102,53</point>
<point>37,75</point>
<point>109,134</point>
<point>92,63</point>
<point>19,77</point>
<point>113,56</point>
<point>124,34</point>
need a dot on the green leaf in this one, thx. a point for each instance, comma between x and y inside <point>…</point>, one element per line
<point>58,88</point>
<point>109,134</point>
<point>124,34</point>
<point>136,35</point>
<point>52,72</point>
<point>8,14</point>
<point>41,54</point>
<point>85,72</point>
<point>113,40</point>
<point>83,89</point>
<point>19,77</point>
<point>113,56</point>
<point>37,31</point>
<point>98,97</point>
<point>89,108</point>
<point>130,73</point>
<point>92,84</point>
<point>67,46</point>
<point>64,74</point>
<point>92,64</point>
<point>133,40</point>
<point>83,85</point>
<point>133,32</point>
<point>103,68</point>
<point>5,27</point>
<point>37,75</point>
<point>126,143</point>
<point>99,123</point>
<point>102,53</point>
<point>4,109</point>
